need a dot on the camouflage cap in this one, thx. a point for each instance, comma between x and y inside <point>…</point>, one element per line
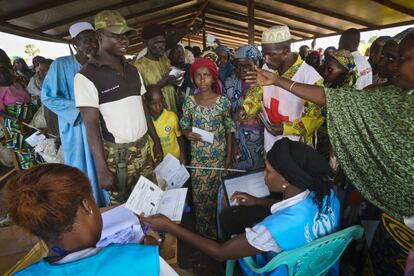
<point>111,21</point>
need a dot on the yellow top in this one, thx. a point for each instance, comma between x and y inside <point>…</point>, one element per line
<point>168,131</point>
<point>305,126</point>
<point>152,71</point>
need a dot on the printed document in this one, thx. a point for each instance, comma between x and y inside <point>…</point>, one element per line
<point>251,183</point>
<point>174,173</point>
<point>149,199</point>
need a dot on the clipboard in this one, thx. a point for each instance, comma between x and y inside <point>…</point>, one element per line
<point>251,182</point>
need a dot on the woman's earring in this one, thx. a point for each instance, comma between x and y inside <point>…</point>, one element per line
<point>284,186</point>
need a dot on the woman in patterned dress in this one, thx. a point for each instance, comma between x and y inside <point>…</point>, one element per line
<point>210,111</point>
<point>250,132</point>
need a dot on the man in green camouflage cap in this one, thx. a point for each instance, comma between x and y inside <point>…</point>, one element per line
<point>109,93</point>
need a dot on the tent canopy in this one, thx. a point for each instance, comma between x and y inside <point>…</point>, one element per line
<point>227,20</point>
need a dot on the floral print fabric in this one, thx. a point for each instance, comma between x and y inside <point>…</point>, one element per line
<point>217,119</point>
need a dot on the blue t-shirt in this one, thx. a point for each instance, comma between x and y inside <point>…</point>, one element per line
<point>115,259</point>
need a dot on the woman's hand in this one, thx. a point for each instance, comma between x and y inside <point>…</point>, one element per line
<point>157,222</point>
<point>244,199</point>
<point>192,136</point>
<point>261,78</point>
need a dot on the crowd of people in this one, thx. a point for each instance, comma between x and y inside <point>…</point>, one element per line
<point>333,133</point>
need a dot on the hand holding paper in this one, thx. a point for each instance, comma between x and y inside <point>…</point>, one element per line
<point>251,183</point>
<point>172,172</point>
<point>158,222</point>
<point>120,225</point>
<point>243,199</point>
<point>206,136</point>
<point>149,199</point>
<point>178,73</point>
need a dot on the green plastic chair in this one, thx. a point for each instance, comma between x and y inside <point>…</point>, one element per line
<point>315,258</point>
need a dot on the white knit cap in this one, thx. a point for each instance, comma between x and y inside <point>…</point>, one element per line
<point>276,34</point>
<point>79,27</point>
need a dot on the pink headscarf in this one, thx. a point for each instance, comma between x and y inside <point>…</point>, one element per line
<point>211,66</point>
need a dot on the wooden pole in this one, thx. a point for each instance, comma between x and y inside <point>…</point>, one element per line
<point>250,12</point>
<point>204,30</point>
<point>202,8</point>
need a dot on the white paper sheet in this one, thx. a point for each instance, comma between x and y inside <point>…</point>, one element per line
<point>167,167</point>
<point>144,198</point>
<point>178,73</point>
<point>179,178</point>
<point>252,184</point>
<point>35,138</point>
<point>120,225</point>
<point>166,269</point>
<point>205,135</point>
<point>172,172</point>
<point>172,203</point>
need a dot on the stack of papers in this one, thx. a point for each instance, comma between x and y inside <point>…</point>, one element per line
<point>264,118</point>
<point>120,225</point>
<point>174,173</point>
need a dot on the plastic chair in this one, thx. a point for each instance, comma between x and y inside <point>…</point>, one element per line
<point>315,258</point>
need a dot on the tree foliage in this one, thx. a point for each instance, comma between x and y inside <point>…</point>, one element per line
<point>31,50</point>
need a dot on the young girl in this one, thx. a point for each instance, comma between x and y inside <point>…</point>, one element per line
<point>210,111</point>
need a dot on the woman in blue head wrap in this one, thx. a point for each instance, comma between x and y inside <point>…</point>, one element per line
<point>223,62</point>
<point>249,133</point>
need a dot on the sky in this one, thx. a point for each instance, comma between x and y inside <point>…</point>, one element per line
<point>14,45</point>
<point>333,40</point>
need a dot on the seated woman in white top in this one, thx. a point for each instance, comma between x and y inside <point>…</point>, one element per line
<point>55,203</point>
<point>310,209</point>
